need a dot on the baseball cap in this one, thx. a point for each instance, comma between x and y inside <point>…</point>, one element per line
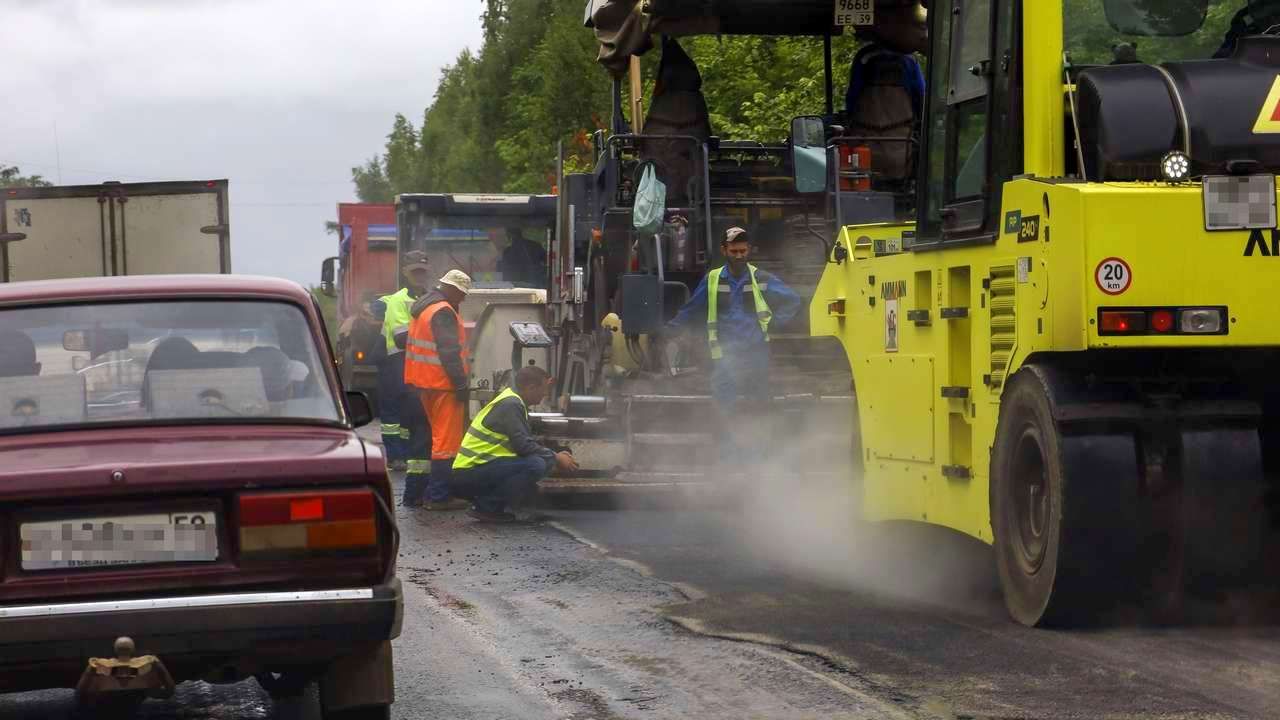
<point>735,234</point>
<point>457,279</point>
<point>414,260</point>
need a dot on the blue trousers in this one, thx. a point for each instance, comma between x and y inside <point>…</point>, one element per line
<point>392,402</point>
<point>742,374</point>
<point>417,448</point>
<point>495,485</point>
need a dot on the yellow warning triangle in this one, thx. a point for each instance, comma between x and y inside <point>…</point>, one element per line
<point>1269,116</point>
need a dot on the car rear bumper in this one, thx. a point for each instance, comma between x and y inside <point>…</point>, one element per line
<point>240,630</point>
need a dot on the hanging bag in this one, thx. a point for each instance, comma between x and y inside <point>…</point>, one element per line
<point>651,202</point>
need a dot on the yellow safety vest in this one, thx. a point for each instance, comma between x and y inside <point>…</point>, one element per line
<point>399,306</point>
<point>763,313</point>
<point>481,445</point>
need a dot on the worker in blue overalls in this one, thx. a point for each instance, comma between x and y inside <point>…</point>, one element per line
<point>737,303</point>
<point>405,433</point>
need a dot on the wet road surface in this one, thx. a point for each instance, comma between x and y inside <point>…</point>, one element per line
<point>684,613</point>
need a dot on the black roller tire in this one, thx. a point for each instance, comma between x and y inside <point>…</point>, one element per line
<point>1061,511</point>
<point>284,685</point>
<point>373,712</point>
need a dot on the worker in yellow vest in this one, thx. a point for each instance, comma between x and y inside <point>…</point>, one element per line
<point>396,407</point>
<point>436,364</point>
<point>406,434</point>
<point>499,461</point>
<point>737,304</point>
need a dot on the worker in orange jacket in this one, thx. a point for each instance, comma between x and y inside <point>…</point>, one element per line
<point>436,363</point>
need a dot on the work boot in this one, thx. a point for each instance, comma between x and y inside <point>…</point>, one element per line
<point>450,504</point>
<point>491,517</point>
<point>415,487</point>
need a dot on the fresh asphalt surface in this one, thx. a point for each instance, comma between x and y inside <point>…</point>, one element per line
<point>753,612</point>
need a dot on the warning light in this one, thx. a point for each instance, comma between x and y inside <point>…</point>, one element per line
<point>1162,321</point>
<point>1175,166</point>
<point>359,356</point>
<point>210,184</point>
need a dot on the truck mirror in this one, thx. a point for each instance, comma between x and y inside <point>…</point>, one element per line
<point>327,275</point>
<point>809,154</point>
<point>96,341</point>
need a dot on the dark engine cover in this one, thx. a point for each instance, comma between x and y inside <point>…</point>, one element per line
<point>1129,119</point>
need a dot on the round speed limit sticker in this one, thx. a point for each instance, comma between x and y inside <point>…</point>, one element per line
<point>1113,276</point>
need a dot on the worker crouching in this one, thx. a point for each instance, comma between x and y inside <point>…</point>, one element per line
<point>499,461</point>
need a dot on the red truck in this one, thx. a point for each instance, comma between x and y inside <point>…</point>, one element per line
<point>365,270</point>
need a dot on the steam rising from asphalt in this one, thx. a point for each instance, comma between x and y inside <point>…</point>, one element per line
<point>802,514</point>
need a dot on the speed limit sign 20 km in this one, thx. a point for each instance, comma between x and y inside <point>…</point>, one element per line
<point>1113,276</point>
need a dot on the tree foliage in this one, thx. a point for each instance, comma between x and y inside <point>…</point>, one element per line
<point>372,184</point>
<point>499,114</point>
<point>11,177</point>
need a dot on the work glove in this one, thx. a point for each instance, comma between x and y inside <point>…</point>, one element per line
<point>565,461</point>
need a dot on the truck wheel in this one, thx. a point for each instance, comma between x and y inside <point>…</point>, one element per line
<point>1060,510</point>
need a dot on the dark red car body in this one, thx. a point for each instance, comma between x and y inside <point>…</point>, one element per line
<point>220,620</point>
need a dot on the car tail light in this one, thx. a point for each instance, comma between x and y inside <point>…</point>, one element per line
<point>307,521</point>
<point>1162,321</point>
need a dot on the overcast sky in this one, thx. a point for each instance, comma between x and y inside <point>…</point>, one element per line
<point>281,97</point>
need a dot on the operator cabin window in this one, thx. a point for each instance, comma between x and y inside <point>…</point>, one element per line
<point>967,151</point>
<point>959,85</point>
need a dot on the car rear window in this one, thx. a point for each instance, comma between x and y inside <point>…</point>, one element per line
<point>177,360</point>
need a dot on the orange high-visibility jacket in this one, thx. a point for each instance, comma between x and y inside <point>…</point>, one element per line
<point>422,366</point>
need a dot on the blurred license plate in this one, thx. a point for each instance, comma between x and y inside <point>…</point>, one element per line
<point>1239,202</point>
<point>120,540</point>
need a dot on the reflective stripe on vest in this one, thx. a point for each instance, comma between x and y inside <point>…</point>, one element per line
<point>763,314</point>
<point>481,445</point>
<point>422,365</point>
<point>398,314</point>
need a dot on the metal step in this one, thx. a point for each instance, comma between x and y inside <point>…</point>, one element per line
<point>616,485</point>
<point>672,438</point>
<point>660,478</point>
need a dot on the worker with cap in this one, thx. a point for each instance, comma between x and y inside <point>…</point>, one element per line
<point>499,460</point>
<point>436,365</point>
<point>737,303</point>
<point>405,433</point>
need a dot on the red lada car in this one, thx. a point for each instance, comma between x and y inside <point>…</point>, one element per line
<point>179,467</point>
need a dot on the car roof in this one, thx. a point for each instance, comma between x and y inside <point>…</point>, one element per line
<point>152,286</point>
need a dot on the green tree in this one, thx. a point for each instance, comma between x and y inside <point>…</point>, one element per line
<point>500,113</point>
<point>372,184</point>
<point>11,177</point>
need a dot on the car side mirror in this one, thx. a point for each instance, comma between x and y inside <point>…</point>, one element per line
<point>809,154</point>
<point>359,408</point>
<point>327,275</point>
